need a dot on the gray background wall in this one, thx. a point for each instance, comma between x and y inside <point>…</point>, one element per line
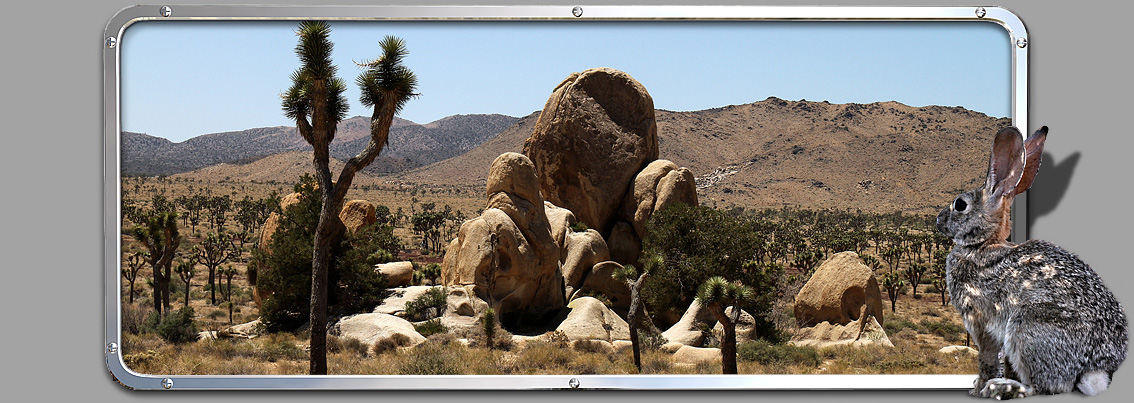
<point>1080,84</point>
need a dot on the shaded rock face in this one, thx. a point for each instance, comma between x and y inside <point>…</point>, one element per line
<point>687,330</point>
<point>601,280</point>
<point>595,133</point>
<point>581,251</point>
<point>507,255</point>
<point>842,290</point>
<point>861,332</point>
<point>661,184</point>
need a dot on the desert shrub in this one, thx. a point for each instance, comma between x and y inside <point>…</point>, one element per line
<point>588,364</point>
<point>280,346</point>
<point>178,327</point>
<point>337,344</point>
<point>895,324</point>
<point>353,284</point>
<point>697,243</point>
<point>139,359</point>
<point>383,345</point>
<point>766,353</point>
<point>429,305</point>
<point>557,338</point>
<point>133,318</point>
<point>539,354</point>
<point>588,346</point>
<point>443,339</point>
<point>431,272</point>
<point>430,327</point>
<point>944,328</point>
<point>431,359</point>
<point>656,362</point>
<point>579,226</point>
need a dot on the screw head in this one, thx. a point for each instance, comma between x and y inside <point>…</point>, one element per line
<point>111,42</point>
<point>574,383</point>
<point>112,348</point>
<point>980,12</point>
<point>166,11</point>
<point>577,11</point>
<point>1022,43</point>
<point>167,383</point>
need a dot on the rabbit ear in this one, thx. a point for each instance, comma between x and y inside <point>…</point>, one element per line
<point>1006,165</point>
<point>1033,149</point>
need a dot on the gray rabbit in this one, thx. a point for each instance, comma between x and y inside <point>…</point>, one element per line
<point>1042,320</point>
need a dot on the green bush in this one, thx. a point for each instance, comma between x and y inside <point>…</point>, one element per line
<point>429,305</point>
<point>766,353</point>
<point>895,324</point>
<point>285,271</point>
<point>178,327</point>
<point>947,330</point>
<point>430,327</point>
<point>698,243</point>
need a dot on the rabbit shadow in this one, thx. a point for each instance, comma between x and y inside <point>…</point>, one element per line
<point>1050,185</point>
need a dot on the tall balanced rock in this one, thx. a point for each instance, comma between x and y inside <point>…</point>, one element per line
<point>842,290</point>
<point>595,133</point>
<point>507,256</point>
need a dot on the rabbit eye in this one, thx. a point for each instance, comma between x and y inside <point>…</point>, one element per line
<point>960,205</point>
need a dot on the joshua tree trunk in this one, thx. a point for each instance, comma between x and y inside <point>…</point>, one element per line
<point>635,316</point>
<point>728,343</point>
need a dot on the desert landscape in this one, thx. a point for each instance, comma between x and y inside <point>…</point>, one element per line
<point>597,235</point>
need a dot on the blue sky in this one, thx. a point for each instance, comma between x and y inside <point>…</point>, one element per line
<point>188,78</point>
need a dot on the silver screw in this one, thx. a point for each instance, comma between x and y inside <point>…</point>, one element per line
<point>574,382</point>
<point>1022,43</point>
<point>167,383</point>
<point>980,12</point>
<point>112,348</point>
<point>111,42</point>
<point>577,11</point>
<point>166,11</point>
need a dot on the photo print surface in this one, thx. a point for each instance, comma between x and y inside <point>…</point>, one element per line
<point>607,198</point>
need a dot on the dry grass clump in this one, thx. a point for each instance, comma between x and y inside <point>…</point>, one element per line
<point>906,357</point>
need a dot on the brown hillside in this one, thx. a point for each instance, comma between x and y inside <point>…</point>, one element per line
<point>283,168</point>
<point>881,157</point>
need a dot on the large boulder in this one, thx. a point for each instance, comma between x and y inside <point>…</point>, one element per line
<point>507,255</point>
<point>462,310</point>
<point>371,327</point>
<point>395,303</point>
<point>580,252</point>
<point>659,185</point>
<point>687,330</point>
<point>696,355</point>
<point>596,131</point>
<point>862,332</point>
<point>601,280</point>
<point>589,319</point>
<point>357,214</point>
<point>843,289</point>
<point>398,274</point>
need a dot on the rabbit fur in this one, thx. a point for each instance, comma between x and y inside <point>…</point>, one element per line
<point>1042,320</point>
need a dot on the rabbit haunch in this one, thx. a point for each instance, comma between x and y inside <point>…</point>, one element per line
<point>1041,318</point>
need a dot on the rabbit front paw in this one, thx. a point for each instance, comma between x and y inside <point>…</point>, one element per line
<point>1004,388</point>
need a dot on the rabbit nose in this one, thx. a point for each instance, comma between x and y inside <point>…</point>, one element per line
<point>941,220</point>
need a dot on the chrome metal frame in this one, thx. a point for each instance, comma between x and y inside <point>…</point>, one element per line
<point>112,207</point>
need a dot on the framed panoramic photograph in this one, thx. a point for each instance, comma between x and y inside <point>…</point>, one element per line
<point>596,197</point>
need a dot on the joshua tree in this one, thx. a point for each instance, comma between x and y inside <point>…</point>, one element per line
<point>717,294</point>
<point>893,285</point>
<point>316,102</point>
<point>214,250</point>
<point>185,272</point>
<point>634,280</point>
<point>228,272</point>
<point>914,272</point>
<point>134,264</point>
<point>161,239</point>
